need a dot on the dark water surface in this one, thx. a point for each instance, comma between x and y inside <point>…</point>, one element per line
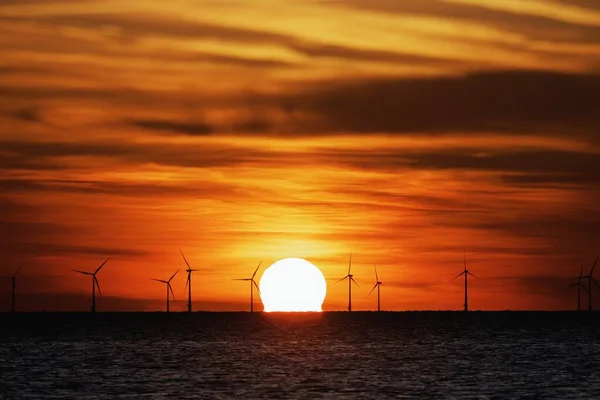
<point>300,356</point>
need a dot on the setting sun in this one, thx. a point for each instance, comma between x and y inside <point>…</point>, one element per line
<point>293,284</point>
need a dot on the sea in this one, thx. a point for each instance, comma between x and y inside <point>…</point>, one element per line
<point>330,355</point>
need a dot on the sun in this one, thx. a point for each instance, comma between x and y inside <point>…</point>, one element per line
<point>292,284</point>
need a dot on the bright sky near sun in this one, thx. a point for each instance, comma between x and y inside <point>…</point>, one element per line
<point>402,131</point>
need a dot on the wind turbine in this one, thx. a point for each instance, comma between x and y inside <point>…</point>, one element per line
<point>378,286</point>
<point>95,283</point>
<point>350,281</point>
<point>252,285</point>
<point>579,286</point>
<point>169,287</point>
<point>13,278</point>
<point>188,282</point>
<point>466,273</point>
<point>591,279</point>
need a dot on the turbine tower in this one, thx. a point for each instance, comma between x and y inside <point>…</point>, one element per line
<point>579,287</point>
<point>591,280</point>
<point>466,273</point>
<point>188,282</point>
<point>378,286</point>
<point>95,283</point>
<point>351,280</point>
<point>13,279</point>
<point>169,287</point>
<point>252,285</point>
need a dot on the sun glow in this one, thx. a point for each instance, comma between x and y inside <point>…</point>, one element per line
<point>293,284</point>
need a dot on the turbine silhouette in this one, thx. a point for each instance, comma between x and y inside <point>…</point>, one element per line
<point>378,285</point>
<point>466,273</point>
<point>95,282</point>
<point>351,280</point>
<point>13,279</point>
<point>252,285</point>
<point>169,287</point>
<point>590,278</point>
<point>579,286</point>
<point>188,282</point>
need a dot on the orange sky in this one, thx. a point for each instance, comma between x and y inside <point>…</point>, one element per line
<point>401,131</point>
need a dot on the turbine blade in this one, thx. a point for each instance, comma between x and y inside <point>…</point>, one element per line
<point>584,288</point>
<point>173,276</point>
<point>593,267</point>
<point>457,276</point>
<point>16,273</point>
<point>374,287</point>
<point>159,280</point>
<point>82,272</point>
<point>352,279</point>
<point>596,282</point>
<point>185,259</point>
<point>241,279</point>
<point>346,277</point>
<point>171,290</point>
<point>256,286</point>
<point>581,272</point>
<point>472,275</point>
<point>256,270</point>
<point>98,286</point>
<point>187,282</point>
<point>101,265</point>
<point>376,277</point>
<point>349,263</point>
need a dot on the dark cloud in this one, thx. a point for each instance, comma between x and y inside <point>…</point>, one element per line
<point>526,167</point>
<point>199,155</point>
<point>26,115</point>
<point>316,50</point>
<point>194,189</point>
<point>56,249</point>
<point>518,166</point>
<point>515,101</point>
<point>194,129</point>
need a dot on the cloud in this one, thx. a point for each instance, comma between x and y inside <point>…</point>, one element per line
<point>193,129</point>
<point>514,101</point>
<point>55,249</point>
<point>535,27</point>
<point>197,155</point>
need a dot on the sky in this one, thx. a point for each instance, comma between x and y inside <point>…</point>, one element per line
<point>407,133</point>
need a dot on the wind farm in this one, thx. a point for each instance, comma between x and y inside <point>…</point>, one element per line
<point>270,199</point>
<point>580,284</point>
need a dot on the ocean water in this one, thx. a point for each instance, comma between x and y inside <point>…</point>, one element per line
<point>505,355</point>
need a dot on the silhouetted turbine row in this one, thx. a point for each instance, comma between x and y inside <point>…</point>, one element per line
<point>188,285</point>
